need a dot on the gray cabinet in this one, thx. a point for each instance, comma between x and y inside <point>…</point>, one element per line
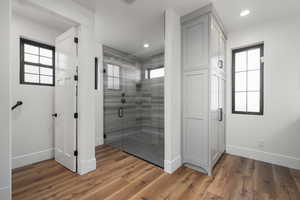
<point>203,86</point>
<point>195,49</point>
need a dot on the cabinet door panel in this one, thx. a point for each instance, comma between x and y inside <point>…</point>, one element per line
<point>214,117</point>
<point>214,44</point>
<point>195,116</point>
<point>195,143</point>
<point>222,49</point>
<point>195,44</point>
<point>221,125</point>
<point>194,94</point>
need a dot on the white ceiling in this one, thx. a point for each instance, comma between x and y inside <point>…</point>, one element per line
<point>128,26</point>
<point>41,16</point>
<point>262,11</point>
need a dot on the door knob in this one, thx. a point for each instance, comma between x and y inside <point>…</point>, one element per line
<point>19,103</point>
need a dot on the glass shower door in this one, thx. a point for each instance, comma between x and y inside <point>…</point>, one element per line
<point>113,112</point>
<point>133,113</point>
<point>143,122</point>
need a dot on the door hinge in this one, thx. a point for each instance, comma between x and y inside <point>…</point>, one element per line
<point>75,77</point>
<point>104,136</point>
<point>76,40</point>
<point>75,153</point>
<point>76,115</point>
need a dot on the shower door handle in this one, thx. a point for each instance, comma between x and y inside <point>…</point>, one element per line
<point>121,112</point>
<point>220,117</point>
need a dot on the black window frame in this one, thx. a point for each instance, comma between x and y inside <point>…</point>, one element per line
<point>234,52</point>
<point>113,77</point>
<point>24,41</point>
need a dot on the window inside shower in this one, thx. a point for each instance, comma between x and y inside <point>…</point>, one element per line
<point>134,109</point>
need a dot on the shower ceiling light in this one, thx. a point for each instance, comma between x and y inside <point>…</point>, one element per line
<point>146,45</point>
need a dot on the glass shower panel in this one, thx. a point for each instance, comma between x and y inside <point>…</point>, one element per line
<point>147,99</point>
<point>113,123</point>
<point>131,129</point>
<point>134,111</point>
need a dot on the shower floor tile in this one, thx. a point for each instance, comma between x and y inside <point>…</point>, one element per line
<point>146,146</point>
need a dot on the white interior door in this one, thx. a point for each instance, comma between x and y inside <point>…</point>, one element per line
<point>66,100</point>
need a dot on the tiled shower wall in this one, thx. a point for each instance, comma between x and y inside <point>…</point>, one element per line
<point>144,107</point>
<point>115,127</point>
<point>152,98</point>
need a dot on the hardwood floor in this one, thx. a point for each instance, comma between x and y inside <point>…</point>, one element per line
<point>120,176</point>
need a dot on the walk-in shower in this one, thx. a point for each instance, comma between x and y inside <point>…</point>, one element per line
<point>134,104</point>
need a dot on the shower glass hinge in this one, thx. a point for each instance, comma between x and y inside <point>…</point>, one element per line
<point>75,153</point>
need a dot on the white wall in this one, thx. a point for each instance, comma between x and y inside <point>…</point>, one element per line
<point>99,123</point>
<point>279,127</point>
<point>172,91</point>
<point>5,128</point>
<point>32,123</point>
<point>86,100</point>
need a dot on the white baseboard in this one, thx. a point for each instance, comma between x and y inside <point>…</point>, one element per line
<point>27,159</point>
<point>171,166</point>
<point>272,158</point>
<point>99,141</point>
<point>86,166</point>
<point>5,193</point>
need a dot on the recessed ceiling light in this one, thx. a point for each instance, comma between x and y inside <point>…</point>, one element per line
<point>146,45</point>
<point>244,13</point>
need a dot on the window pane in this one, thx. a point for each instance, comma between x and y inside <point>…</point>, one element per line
<point>46,52</point>
<point>46,79</point>
<point>240,101</point>
<point>31,49</point>
<point>31,69</point>
<point>156,73</point>
<point>110,83</point>
<point>116,71</point>
<point>110,70</point>
<point>241,61</point>
<point>46,61</point>
<point>116,83</point>
<point>240,81</point>
<point>46,71</point>
<point>31,58</point>
<point>253,102</point>
<point>254,59</point>
<point>31,78</point>
<point>254,80</point>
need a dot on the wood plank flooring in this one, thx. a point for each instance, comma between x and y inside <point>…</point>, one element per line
<point>120,176</point>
